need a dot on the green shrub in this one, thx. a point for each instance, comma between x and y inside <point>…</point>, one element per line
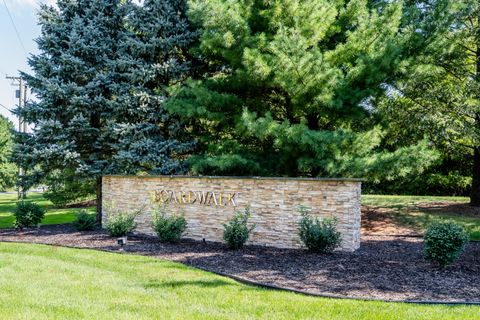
<point>319,236</point>
<point>120,223</point>
<point>444,242</point>
<point>85,221</point>
<point>28,214</point>
<point>168,227</point>
<point>236,232</point>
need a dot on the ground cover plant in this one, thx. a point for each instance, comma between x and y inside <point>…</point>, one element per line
<point>53,215</point>
<point>418,212</point>
<point>97,285</point>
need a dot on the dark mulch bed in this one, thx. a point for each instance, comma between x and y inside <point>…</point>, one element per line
<point>390,268</point>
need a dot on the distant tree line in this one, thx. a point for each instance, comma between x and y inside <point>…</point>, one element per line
<point>382,90</point>
<point>8,169</point>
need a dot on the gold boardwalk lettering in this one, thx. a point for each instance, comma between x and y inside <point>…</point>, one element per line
<point>201,197</point>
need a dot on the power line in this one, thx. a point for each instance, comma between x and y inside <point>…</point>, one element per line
<point>1,105</point>
<point>15,28</point>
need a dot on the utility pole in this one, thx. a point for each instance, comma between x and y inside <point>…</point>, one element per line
<point>18,81</point>
<point>21,94</point>
<point>24,103</point>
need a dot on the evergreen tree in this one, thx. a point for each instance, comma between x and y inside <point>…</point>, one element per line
<point>290,89</point>
<point>439,91</point>
<point>100,79</point>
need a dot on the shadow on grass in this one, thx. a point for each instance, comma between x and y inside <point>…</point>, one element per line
<point>187,283</point>
<point>9,201</point>
<point>413,219</point>
<point>6,222</point>
<point>423,217</point>
<point>62,217</point>
<point>450,209</point>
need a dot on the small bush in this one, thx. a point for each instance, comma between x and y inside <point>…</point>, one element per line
<point>168,227</point>
<point>444,242</point>
<point>236,232</point>
<point>28,214</point>
<point>85,221</point>
<point>120,223</point>
<point>319,236</point>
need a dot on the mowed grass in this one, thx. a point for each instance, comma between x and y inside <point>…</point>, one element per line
<point>404,211</point>
<point>45,282</point>
<point>53,215</point>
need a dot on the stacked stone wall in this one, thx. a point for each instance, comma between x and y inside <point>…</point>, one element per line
<point>209,202</point>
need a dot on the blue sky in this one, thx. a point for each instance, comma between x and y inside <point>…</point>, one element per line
<point>12,56</point>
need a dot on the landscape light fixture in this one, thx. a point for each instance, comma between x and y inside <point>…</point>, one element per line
<point>122,242</point>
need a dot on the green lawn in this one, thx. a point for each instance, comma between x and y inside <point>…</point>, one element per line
<point>389,201</point>
<point>52,216</point>
<point>404,210</point>
<point>44,282</point>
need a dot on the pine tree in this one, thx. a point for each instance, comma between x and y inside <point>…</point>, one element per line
<point>291,88</point>
<point>100,79</point>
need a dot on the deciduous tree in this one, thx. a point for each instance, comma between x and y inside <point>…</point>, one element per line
<point>8,169</point>
<point>439,91</point>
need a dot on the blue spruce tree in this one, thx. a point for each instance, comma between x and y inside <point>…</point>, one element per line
<point>100,79</point>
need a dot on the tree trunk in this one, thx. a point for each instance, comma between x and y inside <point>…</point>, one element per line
<point>96,123</point>
<point>475,193</point>
<point>99,201</point>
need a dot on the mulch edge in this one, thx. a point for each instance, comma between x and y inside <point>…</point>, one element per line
<point>265,285</point>
<point>404,236</point>
<point>334,296</point>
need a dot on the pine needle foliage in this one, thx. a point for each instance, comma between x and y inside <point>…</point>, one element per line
<point>100,78</point>
<point>290,89</point>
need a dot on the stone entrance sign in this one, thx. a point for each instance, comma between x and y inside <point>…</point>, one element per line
<point>209,202</point>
